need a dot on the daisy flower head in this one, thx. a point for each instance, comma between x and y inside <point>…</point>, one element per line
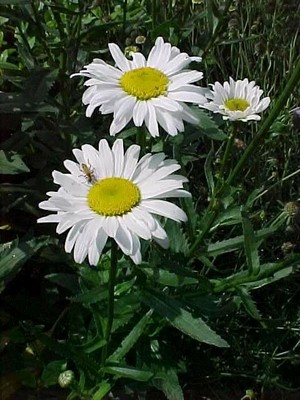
<point>109,193</point>
<point>237,100</point>
<point>151,91</point>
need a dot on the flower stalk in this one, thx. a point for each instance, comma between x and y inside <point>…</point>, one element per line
<point>111,298</point>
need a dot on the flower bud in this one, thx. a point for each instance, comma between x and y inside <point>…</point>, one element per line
<point>66,378</point>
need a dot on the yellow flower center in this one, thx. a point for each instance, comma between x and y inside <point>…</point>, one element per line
<point>236,104</point>
<point>144,83</point>
<point>113,196</point>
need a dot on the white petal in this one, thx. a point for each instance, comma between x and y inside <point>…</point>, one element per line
<point>165,209</point>
<point>139,112</point>
<point>151,120</point>
<point>120,60</point>
<point>183,78</point>
<point>124,239</point>
<point>69,184</point>
<point>135,225</point>
<point>96,247</point>
<point>50,218</point>
<point>73,234</point>
<point>106,157</point>
<point>138,60</point>
<point>110,226</point>
<point>118,154</point>
<point>130,160</point>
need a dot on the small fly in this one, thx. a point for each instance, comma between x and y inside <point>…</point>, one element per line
<point>88,173</point>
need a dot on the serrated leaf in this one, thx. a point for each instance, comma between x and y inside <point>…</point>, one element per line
<point>14,254</point>
<point>208,126</point>
<point>208,171</point>
<point>168,382</point>
<point>178,240</point>
<point>131,338</point>
<point>129,372</point>
<point>91,296</point>
<point>250,245</point>
<point>52,371</point>
<point>12,164</point>
<point>173,311</point>
<point>225,246</point>
<point>65,280</point>
<point>248,303</point>
<point>285,272</point>
<point>167,278</point>
<point>38,84</point>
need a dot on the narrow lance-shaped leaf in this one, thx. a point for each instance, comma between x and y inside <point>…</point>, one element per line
<point>248,303</point>
<point>173,311</point>
<point>250,245</point>
<point>131,338</point>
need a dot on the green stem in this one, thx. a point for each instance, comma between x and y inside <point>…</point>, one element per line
<point>227,153</point>
<point>215,203</point>
<point>233,281</point>
<point>154,9</point>
<point>261,134</point>
<point>217,29</point>
<point>124,15</point>
<point>141,138</point>
<point>111,298</point>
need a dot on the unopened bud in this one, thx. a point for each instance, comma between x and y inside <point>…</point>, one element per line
<point>66,378</point>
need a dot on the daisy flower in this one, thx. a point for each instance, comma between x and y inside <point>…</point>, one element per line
<point>109,193</point>
<point>153,91</point>
<point>237,100</point>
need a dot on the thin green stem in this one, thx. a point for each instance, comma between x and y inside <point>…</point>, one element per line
<point>215,203</point>
<point>233,281</point>
<point>224,162</point>
<point>141,138</point>
<point>263,131</point>
<point>124,15</point>
<point>154,16</point>
<point>111,298</point>
<point>217,29</point>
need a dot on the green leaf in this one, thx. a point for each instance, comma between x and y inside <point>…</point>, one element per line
<point>285,272</point>
<point>65,280</point>
<point>173,311</point>
<point>208,126</point>
<point>131,338</point>
<point>248,303</point>
<point>12,164</point>
<point>225,246</point>
<point>102,392</point>
<point>167,278</point>
<point>17,2</point>
<point>52,371</point>
<point>91,296</point>
<point>38,84</point>
<point>178,240</point>
<point>168,382</point>
<point>208,171</point>
<point>250,245</point>
<point>129,372</point>
<point>14,254</point>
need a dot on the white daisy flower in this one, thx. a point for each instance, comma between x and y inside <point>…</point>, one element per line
<point>111,194</point>
<point>153,91</point>
<point>237,100</point>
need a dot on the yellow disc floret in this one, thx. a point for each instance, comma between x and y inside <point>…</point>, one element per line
<point>144,83</point>
<point>113,196</point>
<point>236,104</point>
